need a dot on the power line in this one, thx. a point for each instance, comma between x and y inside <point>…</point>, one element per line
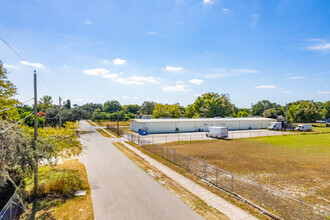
<point>44,81</point>
<point>15,124</point>
<point>14,51</point>
<point>15,105</point>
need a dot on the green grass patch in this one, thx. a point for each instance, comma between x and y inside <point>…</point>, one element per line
<point>55,195</point>
<point>296,164</point>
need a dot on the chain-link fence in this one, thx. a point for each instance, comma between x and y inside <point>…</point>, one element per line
<point>259,195</point>
<point>14,207</point>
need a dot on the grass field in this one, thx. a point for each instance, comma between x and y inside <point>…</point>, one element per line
<point>297,164</point>
<point>57,186</point>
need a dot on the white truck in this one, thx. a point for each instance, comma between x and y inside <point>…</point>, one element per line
<point>304,127</point>
<point>217,132</point>
<point>275,126</point>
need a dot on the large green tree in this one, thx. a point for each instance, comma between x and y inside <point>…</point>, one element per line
<point>44,103</point>
<point>111,106</point>
<point>263,105</point>
<point>305,111</point>
<point>166,110</point>
<point>147,107</point>
<point>211,105</point>
<point>7,92</point>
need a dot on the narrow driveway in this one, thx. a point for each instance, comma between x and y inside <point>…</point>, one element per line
<point>122,190</point>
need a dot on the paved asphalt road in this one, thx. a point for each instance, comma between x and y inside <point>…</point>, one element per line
<point>122,190</point>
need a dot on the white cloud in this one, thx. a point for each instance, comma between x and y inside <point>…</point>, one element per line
<point>105,61</point>
<point>223,72</point>
<point>173,68</point>
<point>196,81</point>
<point>288,92</point>
<point>8,66</point>
<point>297,77</point>
<point>225,10</point>
<point>321,46</point>
<point>135,80</point>
<point>96,72</point>
<point>177,88</point>
<point>88,22</point>
<point>320,80</point>
<point>65,66</point>
<point>207,2</point>
<point>151,33</point>
<point>110,75</point>
<point>36,65</point>
<point>118,61</point>
<point>266,87</point>
<point>323,92</point>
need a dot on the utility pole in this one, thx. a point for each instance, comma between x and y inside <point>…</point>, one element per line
<point>117,122</point>
<point>286,112</point>
<point>60,103</point>
<point>35,132</point>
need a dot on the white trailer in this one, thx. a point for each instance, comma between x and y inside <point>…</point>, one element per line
<point>304,127</point>
<point>217,132</point>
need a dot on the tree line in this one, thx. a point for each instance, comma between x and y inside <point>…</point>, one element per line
<point>207,105</point>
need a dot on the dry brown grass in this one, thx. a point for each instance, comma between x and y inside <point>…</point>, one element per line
<point>113,123</point>
<point>103,133</point>
<point>190,199</point>
<point>89,122</point>
<point>296,164</point>
<point>55,206</point>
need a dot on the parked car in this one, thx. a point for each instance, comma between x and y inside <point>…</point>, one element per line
<point>217,132</point>
<point>304,127</point>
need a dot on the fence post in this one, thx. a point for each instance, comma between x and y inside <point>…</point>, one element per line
<point>301,213</point>
<point>216,176</point>
<point>259,194</point>
<point>188,163</point>
<point>167,153</point>
<point>232,182</point>
<point>205,176</point>
<point>174,156</point>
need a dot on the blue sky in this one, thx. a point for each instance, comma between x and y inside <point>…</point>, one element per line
<point>169,51</point>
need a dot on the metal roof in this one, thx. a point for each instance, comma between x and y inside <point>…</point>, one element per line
<point>201,120</point>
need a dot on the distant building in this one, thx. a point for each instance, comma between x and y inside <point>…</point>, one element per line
<point>198,124</point>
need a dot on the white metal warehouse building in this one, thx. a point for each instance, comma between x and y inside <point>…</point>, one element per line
<point>154,126</point>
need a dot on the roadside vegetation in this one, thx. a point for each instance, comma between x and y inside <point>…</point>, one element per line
<point>21,155</point>
<point>198,205</point>
<point>56,199</point>
<point>297,164</point>
<point>103,133</point>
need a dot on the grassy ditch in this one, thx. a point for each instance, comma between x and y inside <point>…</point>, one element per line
<point>55,196</point>
<point>202,183</point>
<point>190,199</point>
<point>103,133</point>
<point>91,123</point>
<point>113,123</point>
